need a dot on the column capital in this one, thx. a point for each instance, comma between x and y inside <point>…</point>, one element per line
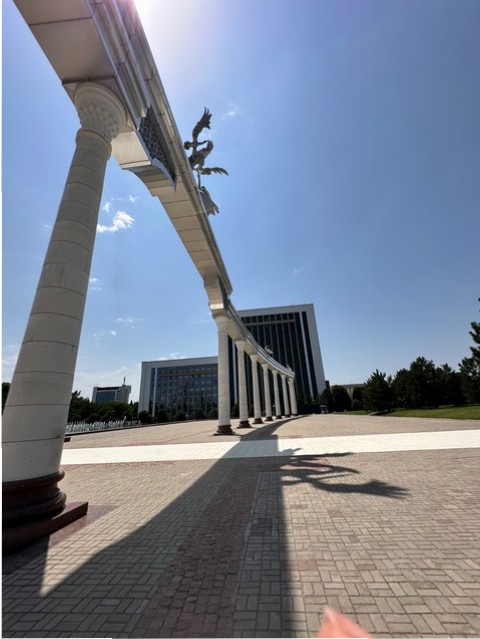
<point>240,344</point>
<point>222,322</point>
<point>254,357</point>
<point>100,110</point>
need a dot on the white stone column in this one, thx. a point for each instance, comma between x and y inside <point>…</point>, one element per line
<point>242,386</point>
<point>257,409</point>
<point>285,396</point>
<point>268,399</point>
<point>293,398</point>
<point>276,394</point>
<point>35,415</point>
<point>224,427</point>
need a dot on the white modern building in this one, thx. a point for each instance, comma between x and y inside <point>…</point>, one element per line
<point>190,385</point>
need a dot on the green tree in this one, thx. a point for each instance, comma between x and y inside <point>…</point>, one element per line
<point>80,408</point>
<point>470,379</point>
<point>401,389</point>
<point>423,384</point>
<point>357,404</point>
<point>475,335</point>
<point>341,399</point>
<point>162,416</point>
<point>470,368</point>
<point>377,393</point>
<point>326,399</point>
<point>357,396</point>
<point>449,386</point>
<point>145,417</point>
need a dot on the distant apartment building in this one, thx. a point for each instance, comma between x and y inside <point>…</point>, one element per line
<point>107,394</point>
<point>190,385</point>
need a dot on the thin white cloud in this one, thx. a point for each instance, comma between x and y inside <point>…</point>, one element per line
<point>100,334</point>
<point>130,321</point>
<point>121,221</point>
<point>233,111</point>
<point>47,226</point>
<point>172,356</point>
<point>133,198</point>
<point>95,284</point>
<point>85,380</point>
<point>107,206</point>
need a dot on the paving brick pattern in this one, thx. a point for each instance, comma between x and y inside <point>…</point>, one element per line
<point>310,426</point>
<point>257,548</point>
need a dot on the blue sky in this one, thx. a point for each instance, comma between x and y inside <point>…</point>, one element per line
<point>351,134</point>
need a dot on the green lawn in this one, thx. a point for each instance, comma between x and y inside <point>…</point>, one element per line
<point>446,412</point>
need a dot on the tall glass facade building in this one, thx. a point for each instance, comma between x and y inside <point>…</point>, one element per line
<point>190,385</point>
<point>290,333</point>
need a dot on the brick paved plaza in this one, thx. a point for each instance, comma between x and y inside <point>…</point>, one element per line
<point>257,546</point>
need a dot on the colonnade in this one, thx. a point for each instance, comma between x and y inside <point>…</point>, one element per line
<point>285,401</point>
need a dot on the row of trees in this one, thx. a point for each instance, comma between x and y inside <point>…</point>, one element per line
<point>84,410</point>
<point>423,385</point>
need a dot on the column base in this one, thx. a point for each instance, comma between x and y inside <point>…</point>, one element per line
<point>258,420</point>
<point>244,424</point>
<point>269,419</point>
<point>224,429</point>
<point>34,508</point>
<point>278,417</point>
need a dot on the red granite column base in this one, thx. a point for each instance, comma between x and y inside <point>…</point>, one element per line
<point>34,508</point>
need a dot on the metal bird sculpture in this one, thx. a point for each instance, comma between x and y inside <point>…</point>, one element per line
<point>198,156</point>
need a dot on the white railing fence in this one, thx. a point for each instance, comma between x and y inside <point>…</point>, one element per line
<point>85,427</point>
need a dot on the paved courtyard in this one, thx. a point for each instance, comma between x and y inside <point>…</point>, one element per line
<point>252,535</point>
